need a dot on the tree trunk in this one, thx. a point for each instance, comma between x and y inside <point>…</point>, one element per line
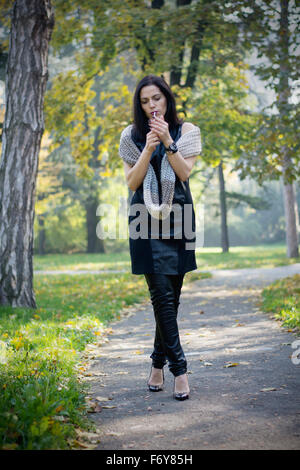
<point>26,77</point>
<point>224,228</point>
<point>94,243</point>
<point>195,55</point>
<point>290,203</point>
<point>176,71</point>
<point>42,235</point>
<point>291,221</point>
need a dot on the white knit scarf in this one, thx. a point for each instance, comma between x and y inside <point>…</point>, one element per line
<point>189,145</point>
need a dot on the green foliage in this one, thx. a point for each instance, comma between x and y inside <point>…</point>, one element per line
<point>262,157</point>
<point>271,29</point>
<point>234,200</point>
<point>5,17</point>
<point>282,298</point>
<point>219,105</point>
<point>65,230</point>
<point>70,23</point>
<point>117,31</point>
<point>71,115</point>
<point>42,398</point>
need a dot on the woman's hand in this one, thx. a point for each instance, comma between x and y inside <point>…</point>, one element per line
<point>161,128</point>
<point>152,141</point>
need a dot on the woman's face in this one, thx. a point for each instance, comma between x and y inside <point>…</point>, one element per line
<point>152,99</point>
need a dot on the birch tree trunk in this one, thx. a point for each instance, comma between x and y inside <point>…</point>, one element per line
<point>26,77</point>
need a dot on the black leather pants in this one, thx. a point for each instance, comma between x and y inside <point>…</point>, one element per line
<point>165,292</point>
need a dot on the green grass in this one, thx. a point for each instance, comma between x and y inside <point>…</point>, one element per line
<point>82,261</point>
<point>42,399</point>
<point>282,298</point>
<point>207,258</point>
<point>264,256</point>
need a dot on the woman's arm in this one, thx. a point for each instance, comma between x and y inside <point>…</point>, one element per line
<point>135,174</point>
<point>181,166</point>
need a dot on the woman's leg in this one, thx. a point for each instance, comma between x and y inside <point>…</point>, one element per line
<point>165,300</point>
<point>158,356</point>
<point>177,281</point>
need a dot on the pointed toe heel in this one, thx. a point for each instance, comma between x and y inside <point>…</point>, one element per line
<point>156,388</point>
<point>180,395</point>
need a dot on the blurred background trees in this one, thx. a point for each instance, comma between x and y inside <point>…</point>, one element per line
<point>233,69</point>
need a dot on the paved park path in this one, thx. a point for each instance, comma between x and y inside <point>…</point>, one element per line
<point>254,404</point>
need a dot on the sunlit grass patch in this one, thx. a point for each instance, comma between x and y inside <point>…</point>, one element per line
<point>282,298</point>
<point>207,258</point>
<point>82,261</point>
<point>238,257</point>
<point>195,276</point>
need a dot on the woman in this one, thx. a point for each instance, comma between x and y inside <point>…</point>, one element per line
<point>159,151</point>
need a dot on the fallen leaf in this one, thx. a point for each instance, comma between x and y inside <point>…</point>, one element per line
<point>93,407</point>
<point>231,364</point>
<point>268,389</point>
<point>84,445</point>
<point>61,418</point>
<point>109,406</point>
<point>79,444</point>
<point>90,437</point>
<point>104,398</point>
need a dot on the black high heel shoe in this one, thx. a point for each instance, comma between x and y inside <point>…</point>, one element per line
<point>180,395</point>
<point>156,388</point>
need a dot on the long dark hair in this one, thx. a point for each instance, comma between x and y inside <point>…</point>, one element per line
<point>140,120</point>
